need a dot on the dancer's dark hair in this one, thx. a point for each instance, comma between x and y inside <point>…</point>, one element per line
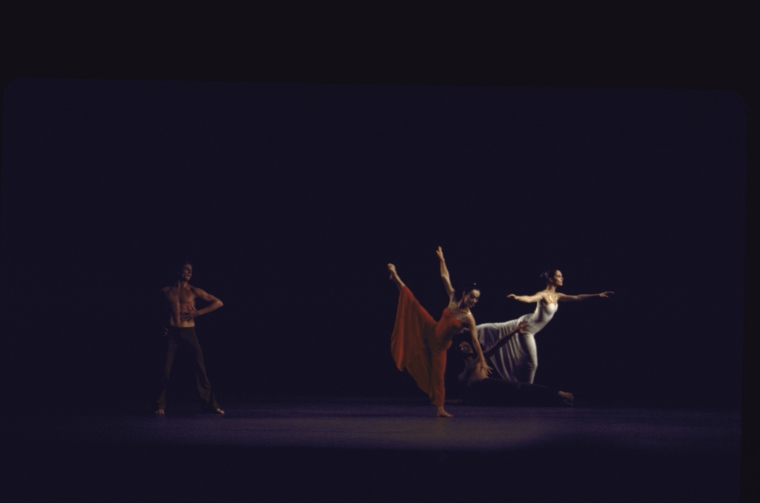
<point>459,347</point>
<point>548,275</point>
<point>468,287</point>
<point>178,266</point>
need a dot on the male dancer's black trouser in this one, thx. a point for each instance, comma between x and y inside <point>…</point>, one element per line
<point>187,336</point>
<point>492,391</point>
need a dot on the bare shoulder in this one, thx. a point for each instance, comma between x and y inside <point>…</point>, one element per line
<point>200,292</point>
<point>195,290</point>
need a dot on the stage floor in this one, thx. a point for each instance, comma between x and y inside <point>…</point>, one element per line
<point>374,449</point>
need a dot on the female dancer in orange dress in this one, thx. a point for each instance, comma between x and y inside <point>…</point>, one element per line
<point>419,343</point>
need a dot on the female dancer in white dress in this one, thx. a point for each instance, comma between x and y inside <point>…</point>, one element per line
<point>517,359</point>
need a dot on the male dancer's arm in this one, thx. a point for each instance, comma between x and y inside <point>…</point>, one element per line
<point>465,374</point>
<point>162,311</point>
<point>503,340</point>
<point>214,304</point>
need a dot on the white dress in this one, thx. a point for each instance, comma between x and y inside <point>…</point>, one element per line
<point>516,360</point>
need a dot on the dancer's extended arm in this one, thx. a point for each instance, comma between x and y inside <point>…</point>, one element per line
<point>529,299</point>
<point>445,274</point>
<point>470,322</point>
<point>561,297</point>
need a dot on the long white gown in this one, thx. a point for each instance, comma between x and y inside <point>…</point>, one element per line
<point>516,360</point>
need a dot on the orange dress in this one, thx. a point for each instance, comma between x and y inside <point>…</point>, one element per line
<point>419,344</point>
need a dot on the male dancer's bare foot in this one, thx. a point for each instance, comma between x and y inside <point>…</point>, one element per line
<point>567,398</point>
<point>159,412</point>
<point>216,410</point>
<point>442,413</point>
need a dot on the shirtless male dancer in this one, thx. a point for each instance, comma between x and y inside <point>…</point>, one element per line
<point>180,298</point>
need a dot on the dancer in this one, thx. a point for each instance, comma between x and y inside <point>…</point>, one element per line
<point>419,343</point>
<point>517,359</point>
<point>180,299</point>
<point>479,389</point>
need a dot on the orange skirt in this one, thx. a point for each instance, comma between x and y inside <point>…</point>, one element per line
<point>419,344</point>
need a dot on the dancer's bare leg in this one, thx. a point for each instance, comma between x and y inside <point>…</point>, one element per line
<point>394,276</point>
<point>442,413</point>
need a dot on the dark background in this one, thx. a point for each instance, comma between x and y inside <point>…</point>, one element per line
<point>290,199</point>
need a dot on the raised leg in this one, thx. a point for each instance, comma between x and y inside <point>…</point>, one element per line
<point>394,276</point>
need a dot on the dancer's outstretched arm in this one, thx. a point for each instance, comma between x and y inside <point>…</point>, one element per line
<point>445,274</point>
<point>394,276</point>
<point>561,297</point>
<point>503,340</point>
<point>529,299</point>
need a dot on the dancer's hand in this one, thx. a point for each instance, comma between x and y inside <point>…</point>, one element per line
<point>392,269</point>
<point>483,366</point>
<point>604,295</point>
<point>189,315</point>
<point>511,296</point>
<point>521,327</point>
<point>439,252</point>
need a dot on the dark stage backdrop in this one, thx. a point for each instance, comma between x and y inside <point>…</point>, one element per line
<point>290,199</point>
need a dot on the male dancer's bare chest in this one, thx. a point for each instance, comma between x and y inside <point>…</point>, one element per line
<point>181,299</point>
